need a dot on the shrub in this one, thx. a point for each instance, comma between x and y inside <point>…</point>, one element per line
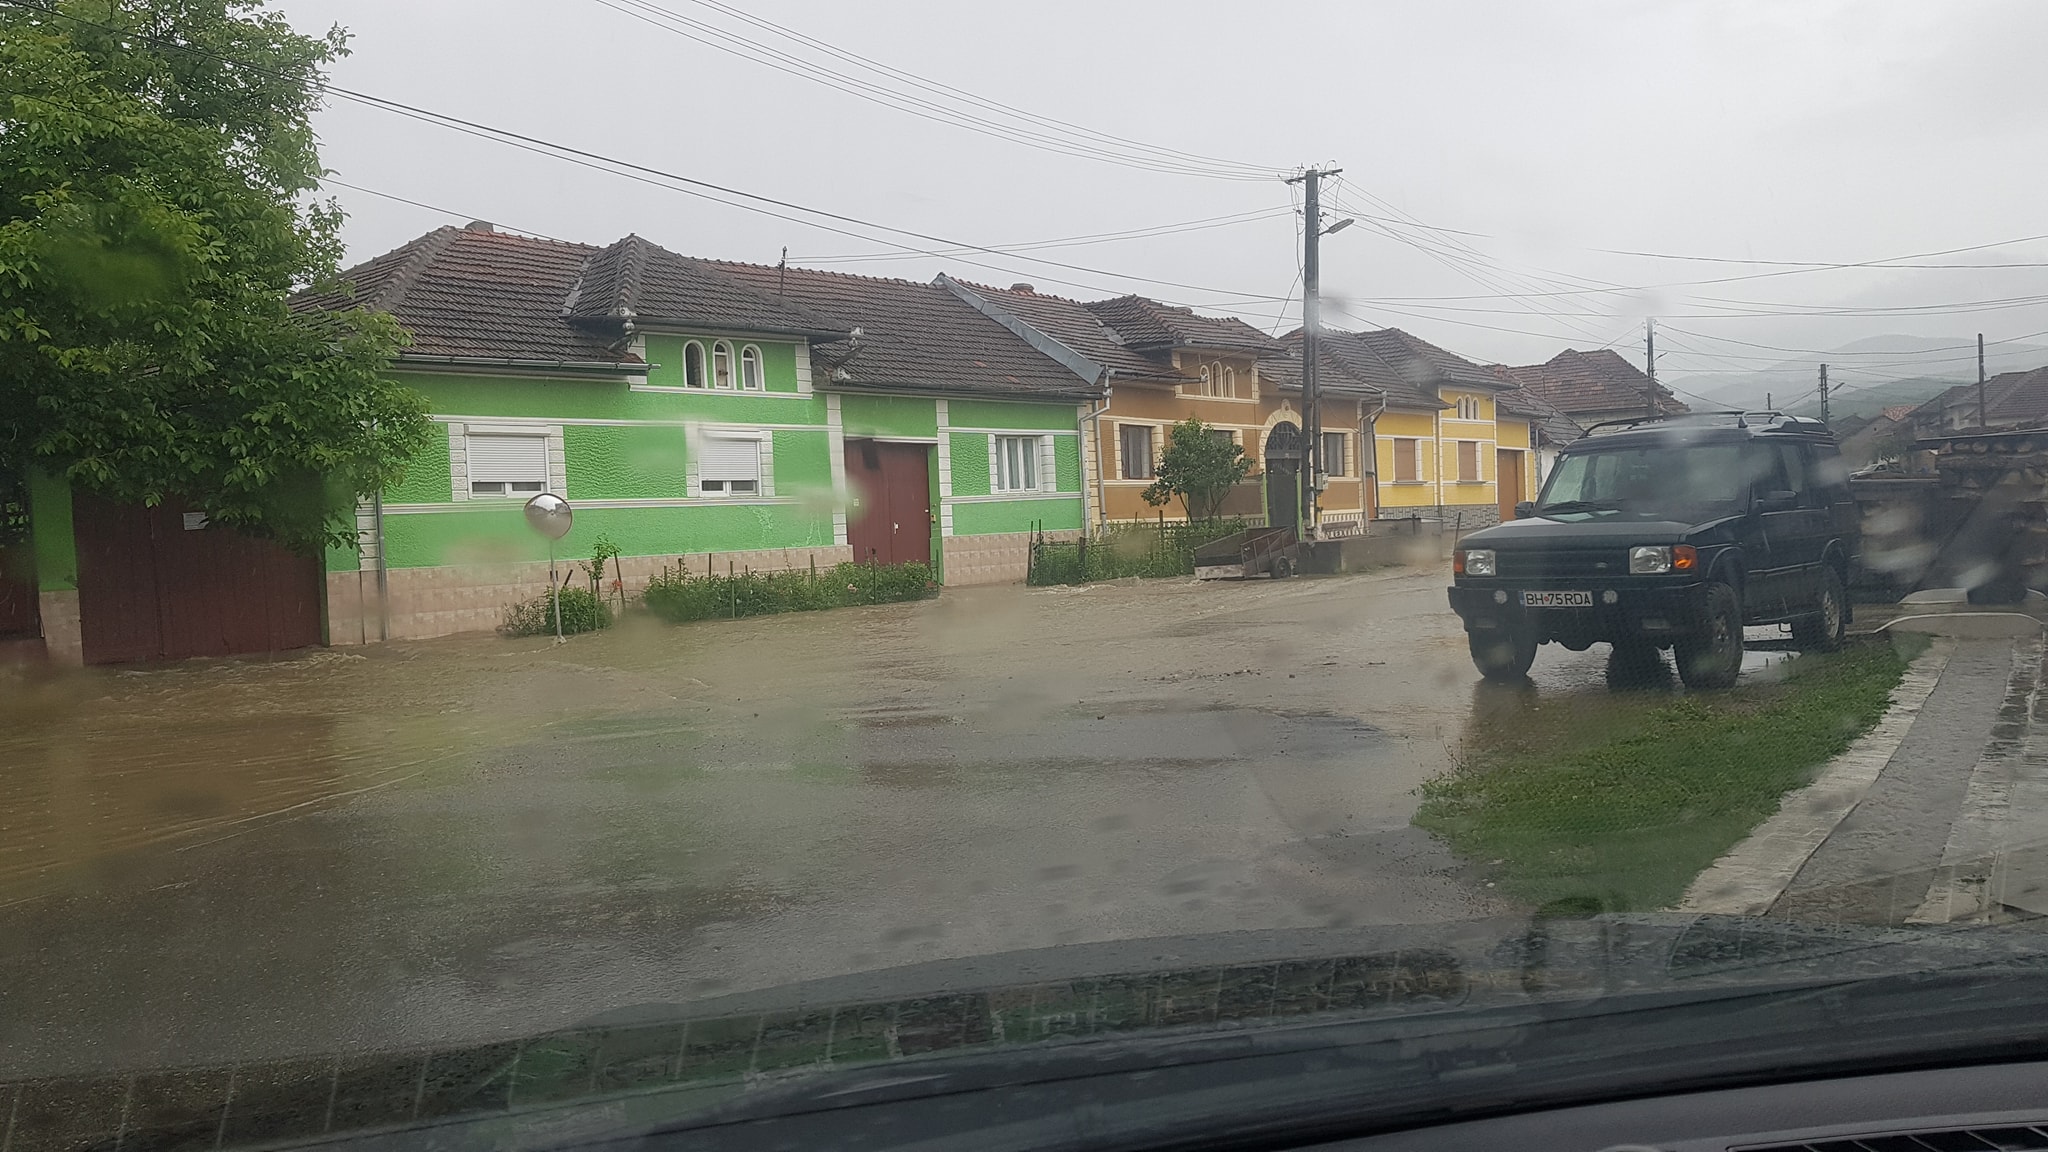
<point>1126,550</point>
<point>677,595</point>
<point>581,612</point>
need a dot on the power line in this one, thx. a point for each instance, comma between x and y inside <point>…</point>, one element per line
<point>655,177</point>
<point>948,91</point>
<point>1071,241</point>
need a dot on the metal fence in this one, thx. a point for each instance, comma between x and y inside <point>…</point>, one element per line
<point>1163,548</point>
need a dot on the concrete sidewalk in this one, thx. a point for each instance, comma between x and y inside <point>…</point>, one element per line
<point>1939,813</point>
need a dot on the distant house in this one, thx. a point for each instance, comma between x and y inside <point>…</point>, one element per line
<point>1158,364</point>
<point>1590,387</point>
<point>697,412</point>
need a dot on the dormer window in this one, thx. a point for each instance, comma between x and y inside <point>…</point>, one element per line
<point>693,365</point>
<point>721,365</point>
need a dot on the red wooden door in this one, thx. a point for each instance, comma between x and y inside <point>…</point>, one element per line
<point>162,584</point>
<point>891,520</point>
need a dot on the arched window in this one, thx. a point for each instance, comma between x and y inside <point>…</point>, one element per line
<point>1230,382</point>
<point>721,365</point>
<point>693,365</point>
<point>1205,380</point>
<point>750,369</point>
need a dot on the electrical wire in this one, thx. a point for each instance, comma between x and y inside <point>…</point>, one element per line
<point>1071,241</point>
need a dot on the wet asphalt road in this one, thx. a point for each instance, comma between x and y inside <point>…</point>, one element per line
<point>457,840</point>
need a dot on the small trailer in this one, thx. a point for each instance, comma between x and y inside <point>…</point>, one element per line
<point>1252,552</point>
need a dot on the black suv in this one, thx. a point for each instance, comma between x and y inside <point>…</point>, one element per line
<point>1670,532</point>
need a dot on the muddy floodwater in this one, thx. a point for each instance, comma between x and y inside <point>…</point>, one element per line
<point>454,840</point>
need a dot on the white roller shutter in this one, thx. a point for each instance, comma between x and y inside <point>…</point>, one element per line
<point>728,458</point>
<point>507,459</point>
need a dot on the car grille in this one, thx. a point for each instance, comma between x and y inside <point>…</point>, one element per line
<point>1588,562</point>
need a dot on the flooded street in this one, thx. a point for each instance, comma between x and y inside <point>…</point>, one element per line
<point>456,840</point>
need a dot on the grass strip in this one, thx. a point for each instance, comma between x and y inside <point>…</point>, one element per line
<point>1580,809</point>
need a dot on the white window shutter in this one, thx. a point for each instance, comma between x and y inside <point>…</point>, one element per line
<point>507,459</point>
<point>729,458</point>
<point>1047,482</point>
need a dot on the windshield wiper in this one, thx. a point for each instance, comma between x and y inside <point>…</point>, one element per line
<point>1577,506</point>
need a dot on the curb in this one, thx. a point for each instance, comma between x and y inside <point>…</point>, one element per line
<point>1750,877</point>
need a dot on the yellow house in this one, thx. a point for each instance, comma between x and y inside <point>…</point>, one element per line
<point>1454,441</point>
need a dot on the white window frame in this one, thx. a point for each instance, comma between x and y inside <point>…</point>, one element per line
<point>507,489</point>
<point>751,354</point>
<point>721,351</point>
<point>1037,448</point>
<point>1230,382</point>
<point>1468,408</point>
<point>725,491</point>
<point>703,379</point>
<point>1478,462</point>
<point>1343,454</point>
<point>461,431</point>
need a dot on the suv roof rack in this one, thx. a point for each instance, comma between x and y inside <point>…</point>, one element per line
<point>1770,418</point>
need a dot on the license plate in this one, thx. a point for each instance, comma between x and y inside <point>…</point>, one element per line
<point>1557,599</point>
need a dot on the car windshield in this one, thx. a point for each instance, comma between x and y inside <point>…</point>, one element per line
<point>1674,479</point>
<point>586,567</point>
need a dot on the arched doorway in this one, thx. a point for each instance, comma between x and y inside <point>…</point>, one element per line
<point>1283,476</point>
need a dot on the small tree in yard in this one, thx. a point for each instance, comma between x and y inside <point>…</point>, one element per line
<point>1199,468</point>
<point>157,212</point>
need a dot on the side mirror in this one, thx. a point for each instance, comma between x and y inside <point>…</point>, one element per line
<point>1525,509</point>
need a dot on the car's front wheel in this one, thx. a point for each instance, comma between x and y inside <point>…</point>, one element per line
<point>1502,655</point>
<point>1825,630</point>
<point>1713,657</point>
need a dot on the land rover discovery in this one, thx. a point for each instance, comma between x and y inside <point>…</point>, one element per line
<point>1668,533</point>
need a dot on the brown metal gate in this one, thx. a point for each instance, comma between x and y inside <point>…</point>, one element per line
<point>891,523</point>
<point>163,584</point>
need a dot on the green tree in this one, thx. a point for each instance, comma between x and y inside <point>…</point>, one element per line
<point>158,208</point>
<point>1198,467</point>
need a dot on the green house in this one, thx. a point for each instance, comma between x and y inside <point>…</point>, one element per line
<point>708,414</point>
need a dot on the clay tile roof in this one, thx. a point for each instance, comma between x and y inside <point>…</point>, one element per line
<point>914,337</point>
<point>1361,359</point>
<point>1591,382</point>
<point>1336,377</point>
<point>1076,326</point>
<point>1147,324</point>
<point>1424,365</point>
<point>2017,397</point>
<point>470,292</point>
<point>639,279</point>
<point>1898,412</point>
<point>1555,426</point>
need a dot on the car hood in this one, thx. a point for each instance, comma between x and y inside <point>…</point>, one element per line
<point>1601,530</point>
<point>914,1035</point>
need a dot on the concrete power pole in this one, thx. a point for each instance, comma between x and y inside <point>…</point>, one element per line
<point>1824,394</point>
<point>1650,359</point>
<point>1981,423</point>
<point>1311,326</point>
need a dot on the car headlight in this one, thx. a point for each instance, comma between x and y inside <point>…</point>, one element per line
<point>1479,562</point>
<point>1652,559</point>
<point>1644,559</point>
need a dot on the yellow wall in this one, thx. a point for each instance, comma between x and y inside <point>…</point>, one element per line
<point>1161,407</point>
<point>1437,454</point>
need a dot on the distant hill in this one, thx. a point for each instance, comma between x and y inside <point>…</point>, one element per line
<point>1794,385</point>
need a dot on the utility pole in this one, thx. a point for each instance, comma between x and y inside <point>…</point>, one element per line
<point>1311,320</point>
<point>1650,358</point>
<point>1824,394</point>
<point>1980,382</point>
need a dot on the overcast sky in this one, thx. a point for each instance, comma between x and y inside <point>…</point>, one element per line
<point>1739,129</point>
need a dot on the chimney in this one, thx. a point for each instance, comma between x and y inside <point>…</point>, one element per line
<point>1021,288</point>
<point>479,226</point>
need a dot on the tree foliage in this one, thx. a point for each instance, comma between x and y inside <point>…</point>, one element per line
<point>1198,468</point>
<point>158,208</point>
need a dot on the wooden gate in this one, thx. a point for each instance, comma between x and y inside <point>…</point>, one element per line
<point>163,584</point>
<point>891,520</point>
<point>1283,476</point>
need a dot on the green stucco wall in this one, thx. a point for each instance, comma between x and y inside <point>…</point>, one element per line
<point>1010,414</point>
<point>613,462</point>
<point>56,548</point>
<point>498,533</point>
<point>343,558</point>
<point>970,463</point>
<point>429,477</point>
<point>889,416</point>
<point>803,462</point>
<point>1066,463</point>
<point>1055,513</point>
<point>450,394</point>
<point>778,361</point>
